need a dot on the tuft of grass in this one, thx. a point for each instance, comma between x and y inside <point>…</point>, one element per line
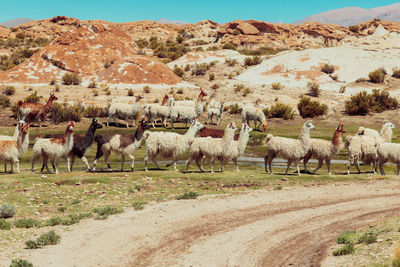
<point>377,76</point>
<point>368,237</point>
<point>188,195</point>
<point>345,250</point>
<point>342,89</point>
<point>313,89</point>
<point>138,205</point>
<point>328,69</point>
<point>20,263</point>
<point>26,223</point>
<point>146,89</point>
<point>7,210</point>
<point>278,187</point>
<point>103,213</point>
<point>46,239</point>
<point>396,73</point>
<point>76,201</point>
<point>396,256</point>
<point>250,61</point>
<point>130,92</point>
<point>277,86</point>
<point>348,236</point>
<point>62,209</point>
<point>5,225</point>
<point>54,221</point>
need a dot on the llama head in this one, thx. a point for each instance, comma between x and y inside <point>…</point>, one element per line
<point>197,124</point>
<point>246,128</point>
<point>232,126</point>
<point>138,98</point>
<point>23,127</point>
<point>53,97</point>
<point>95,123</point>
<point>340,128</point>
<point>264,125</point>
<point>143,123</point>
<point>388,124</point>
<point>70,126</point>
<point>309,125</point>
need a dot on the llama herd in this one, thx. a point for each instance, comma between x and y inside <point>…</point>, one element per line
<point>368,145</point>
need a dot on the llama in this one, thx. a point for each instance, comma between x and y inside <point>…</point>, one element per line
<point>153,111</point>
<point>291,149</point>
<point>215,112</point>
<point>81,143</point>
<point>215,104</point>
<point>123,145</point>
<point>124,110</point>
<point>361,147</point>
<point>54,148</point>
<point>185,113</point>
<point>31,112</point>
<point>389,152</point>
<point>12,150</point>
<point>214,133</point>
<point>192,103</point>
<point>255,114</point>
<point>211,148</point>
<point>14,138</point>
<point>385,133</point>
<point>169,145</point>
<point>237,147</point>
<point>324,150</point>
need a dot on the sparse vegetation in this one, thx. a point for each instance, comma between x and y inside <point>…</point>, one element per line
<point>16,58</point>
<point>146,89</point>
<point>52,82</point>
<point>231,62</point>
<point>47,239</point>
<point>131,92</point>
<point>279,110</point>
<point>211,77</point>
<point>229,46</point>
<point>178,71</point>
<point>235,32</point>
<point>313,89</point>
<point>215,86</point>
<point>199,69</point>
<point>33,98</point>
<point>20,263</point>
<point>138,205</point>
<point>311,108</point>
<point>60,113</point>
<point>247,91</point>
<point>368,237</point>
<point>4,101</point>
<point>377,76</point>
<point>361,80</point>
<point>26,223</point>
<point>348,236</point>
<point>396,73</point>
<point>5,225</point>
<point>250,61</point>
<point>277,86</point>
<point>238,87</point>
<point>8,90</point>
<point>396,256</point>
<point>342,89</point>
<point>234,109</point>
<point>92,84</point>
<point>103,213</point>
<point>345,250</point>
<point>264,50</point>
<point>188,195</point>
<point>7,210</point>
<point>71,78</point>
<point>363,103</point>
<point>328,69</point>
<point>95,92</point>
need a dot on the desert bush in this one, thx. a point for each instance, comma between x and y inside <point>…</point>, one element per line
<point>313,89</point>
<point>363,103</point>
<point>188,195</point>
<point>4,101</point>
<point>7,210</point>
<point>54,221</point>
<point>199,70</point>
<point>16,58</point>
<point>103,213</point>
<point>93,112</point>
<point>108,92</point>
<point>254,60</point>
<point>211,77</point>
<point>5,225</point>
<point>342,89</point>
<point>213,63</point>
<point>33,98</point>
<point>46,239</point>
<point>279,110</point>
<point>178,71</point>
<point>139,205</point>
<point>238,87</point>
<point>396,73</point>
<point>200,42</point>
<point>231,62</point>
<point>231,76</point>
<point>104,87</point>
<point>212,48</point>
<point>71,78</point>
<point>57,88</point>
<point>361,80</point>
<point>277,86</point>
<point>92,84</point>
<point>377,76</point>
<point>345,250</point>
<point>348,236</point>
<point>146,89</point>
<point>20,263</point>
<point>234,109</point>
<point>246,91</point>
<point>328,69</point>
<point>311,108</point>
<point>229,46</point>
<point>52,82</point>
<point>8,90</point>
<point>354,28</point>
<point>368,237</point>
<point>60,113</point>
<point>215,86</point>
<point>142,43</point>
<point>264,50</point>
<point>131,92</point>
<point>187,67</point>
<point>26,223</point>
<point>180,91</point>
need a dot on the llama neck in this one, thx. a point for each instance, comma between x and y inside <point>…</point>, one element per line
<point>386,133</point>
<point>164,101</point>
<point>228,135</point>
<point>305,137</point>
<point>191,133</point>
<point>243,140</point>
<point>20,141</point>
<point>89,136</point>
<point>200,97</point>
<point>337,139</point>
<point>16,132</point>
<point>138,134</point>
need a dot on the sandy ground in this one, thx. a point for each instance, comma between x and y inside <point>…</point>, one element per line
<point>294,226</point>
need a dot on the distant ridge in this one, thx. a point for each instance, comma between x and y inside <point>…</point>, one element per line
<point>355,15</point>
<point>167,21</point>
<point>14,22</point>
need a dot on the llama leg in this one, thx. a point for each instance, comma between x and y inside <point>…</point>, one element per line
<point>72,161</point>
<point>266,163</point>
<point>381,167</point>
<point>235,161</point>
<point>99,154</point>
<point>12,167</point>
<point>153,158</point>
<point>115,119</point>
<point>106,157</point>
<point>289,162</point>
<point>348,165</point>
<point>375,166</point>
<point>5,167</point>
<point>212,164</point>
<point>84,159</point>
<point>320,163</point>
<point>34,159</point>
<point>55,165</point>
<point>328,164</point>
<point>188,164</point>
<point>305,161</point>
<point>17,161</point>
<point>133,162</point>
<point>146,158</point>
<point>127,122</point>
<point>297,163</point>
<point>44,164</point>
<point>398,167</point>
<point>357,166</point>
<point>108,120</point>
<point>270,159</point>
<point>200,166</point>
<point>68,165</point>
<point>255,124</point>
<point>122,162</point>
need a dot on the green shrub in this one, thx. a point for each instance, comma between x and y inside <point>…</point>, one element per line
<point>52,82</point>
<point>4,101</point>
<point>229,46</point>
<point>211,77</point>
<point>313,89</point>
<point>131,92</point>
<point>178,71</point>
<point>234,109</point>
<point>138,205</point>
<point>264,50</point>
<point>311,108</point>
<point>104,212</point>
<point>142,43</point>
<point>26,223</point>
<point>345,250</point>
<point>348,236</point>
<point>279,110</point>
<point>62,209</point>
<point>328,69</point>
<point>246,91</point>
<point>60,113</point>
<point>188,195</point>
<point>71,78</point>
<point>368,237</point>
<point>20,263</point>
<point>363,103</point>
<point>146,89</point>
<point>92,112</point>
<point>9,90</point>
<point>231,62</point>
<point>354,28</point>
<point>5,225</point>
<point>277,86</point>
<point>396,73</point>
<point>33,98</point>
<point>199,70</point>
<point>54,221</point>
<point>235,32</point>
<point>377,76</point>
<point>7,210</point>
<point>250,61</point>
<point>47,239</point>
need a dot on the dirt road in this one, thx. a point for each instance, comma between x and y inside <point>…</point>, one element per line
<point>260,228</point>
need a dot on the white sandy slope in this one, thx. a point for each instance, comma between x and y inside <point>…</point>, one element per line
<point>200,57</point>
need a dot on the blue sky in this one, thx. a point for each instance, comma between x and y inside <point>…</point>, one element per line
<point>190,10</point>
